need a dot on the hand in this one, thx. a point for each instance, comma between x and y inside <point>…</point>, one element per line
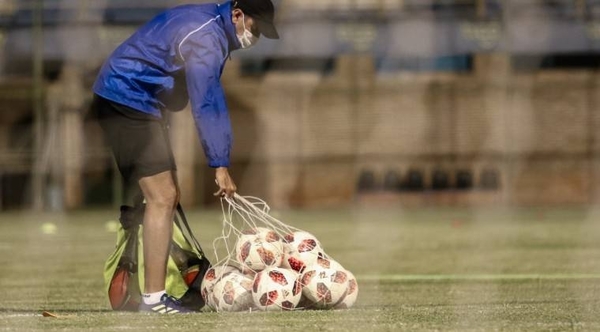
<point>226,185</point>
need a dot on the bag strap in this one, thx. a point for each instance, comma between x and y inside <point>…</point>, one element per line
<point>180,219</point>
<point>184,226</point>
<point>130,222</point>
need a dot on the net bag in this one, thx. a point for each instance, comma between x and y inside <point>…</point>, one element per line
<point>265,264</point>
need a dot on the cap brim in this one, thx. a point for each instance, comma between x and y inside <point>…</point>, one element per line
<point>267,29</point>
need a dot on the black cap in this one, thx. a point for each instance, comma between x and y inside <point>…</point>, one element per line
<point>263,13</point>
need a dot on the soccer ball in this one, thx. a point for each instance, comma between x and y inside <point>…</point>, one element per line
<point>212,276</point>
<point>324,285</point>
<point>301,250</point>
<point>351,293</point>
<point>259,248</point>
<point>266,234</point>
<point>233,292</point>
<point>276,289</point>
<point>328,262</point>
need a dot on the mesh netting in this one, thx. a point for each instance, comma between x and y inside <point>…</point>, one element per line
<point>263,263</point>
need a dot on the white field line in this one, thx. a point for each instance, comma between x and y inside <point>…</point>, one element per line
<point>20,314</point>
<point>476,277</point>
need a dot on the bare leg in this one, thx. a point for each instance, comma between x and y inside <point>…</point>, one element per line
<point>161,194</point>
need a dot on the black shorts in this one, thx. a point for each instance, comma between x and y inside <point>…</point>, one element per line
<point>139,141</point>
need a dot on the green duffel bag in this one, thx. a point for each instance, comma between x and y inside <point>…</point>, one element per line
<point>124,269</point>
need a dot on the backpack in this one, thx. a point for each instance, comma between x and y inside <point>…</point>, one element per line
<point>124,269</point>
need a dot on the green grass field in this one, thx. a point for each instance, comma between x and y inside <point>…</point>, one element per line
<point>429,269</point>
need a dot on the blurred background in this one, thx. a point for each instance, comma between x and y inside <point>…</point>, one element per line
<point>371,102</point>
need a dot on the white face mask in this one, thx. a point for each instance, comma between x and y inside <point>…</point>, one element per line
<point>247,39</point>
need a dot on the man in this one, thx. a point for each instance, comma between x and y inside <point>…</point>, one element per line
<point>178,54</point>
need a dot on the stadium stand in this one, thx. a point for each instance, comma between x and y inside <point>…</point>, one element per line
<point>442,82</point>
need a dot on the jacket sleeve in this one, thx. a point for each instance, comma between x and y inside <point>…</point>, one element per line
<point>203,55</point>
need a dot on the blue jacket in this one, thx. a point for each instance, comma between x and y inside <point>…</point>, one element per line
<point>178,55</point>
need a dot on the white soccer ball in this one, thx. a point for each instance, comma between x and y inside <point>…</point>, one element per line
<point>327,261</point>
<point>259,248</point>
<point>324,284</point>
<point>212,276</point>
<point>276,289</point>
<point>267,234</point>
<point>351,293</point>
<point>301,250</point>
<point>233,292</point>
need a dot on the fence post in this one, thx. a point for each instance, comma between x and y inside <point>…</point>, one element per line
<point>39,169</point>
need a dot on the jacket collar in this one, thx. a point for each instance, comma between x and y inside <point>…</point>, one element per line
<point>225,12</point>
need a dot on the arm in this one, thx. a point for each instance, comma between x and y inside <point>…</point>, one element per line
<point>203,55</point>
